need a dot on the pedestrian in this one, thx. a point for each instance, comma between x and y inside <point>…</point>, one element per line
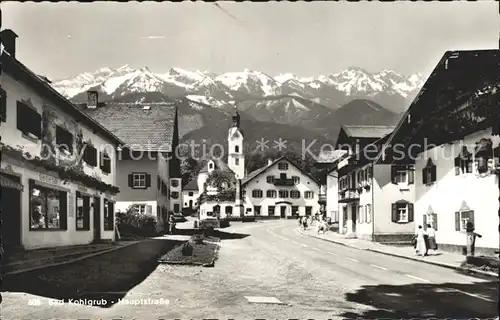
<point>304,224</point>
<point>431,233</point>
<point>421,247</point>
<point>171,223</point>
<point>300,221</point>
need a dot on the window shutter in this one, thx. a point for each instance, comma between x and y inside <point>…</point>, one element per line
<point>424,175</point>
<point>3,105</point>
<point>393,174</point>
<point>63,210</point>
<point>411,175</point>
<point>457,166</point>
<point>149,209</point>
<point>424,222</point>
<point>435,221</point>
<point>410,212</point>
<point>148,180</point>
<point>37,124</point>
<point>457,221</point>
<point>433,173</point>
<point>86,213</point>
<point>471,217</point>
<point>130,180</point>
<point>394,212</point>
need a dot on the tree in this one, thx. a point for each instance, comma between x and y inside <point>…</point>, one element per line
<point>189,169</point>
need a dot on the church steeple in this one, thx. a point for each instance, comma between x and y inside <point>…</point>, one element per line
<point>236,158</point>
<point>236,120</point>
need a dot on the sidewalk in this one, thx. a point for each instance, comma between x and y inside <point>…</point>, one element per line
<point>442,259</point>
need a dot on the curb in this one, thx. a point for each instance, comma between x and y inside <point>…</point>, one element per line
<point>439,264</point>
<point>70,261</point>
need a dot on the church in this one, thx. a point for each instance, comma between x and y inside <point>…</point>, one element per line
<point>280,189</point>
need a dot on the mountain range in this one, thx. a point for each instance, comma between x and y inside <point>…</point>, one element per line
<point>286,105</point>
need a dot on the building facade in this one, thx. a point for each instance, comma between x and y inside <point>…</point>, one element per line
<point>190,195</point>
<point>452,129</point>
<point>149,170</point>
<point>58,165</point>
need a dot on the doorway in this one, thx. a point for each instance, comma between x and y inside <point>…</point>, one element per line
<point>354,216</point>
<point>97,218</point>
<point>11,218</point>
<point>283,211</point>
<point>190,204</point>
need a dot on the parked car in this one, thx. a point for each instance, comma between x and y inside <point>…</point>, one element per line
<point>178,218</point>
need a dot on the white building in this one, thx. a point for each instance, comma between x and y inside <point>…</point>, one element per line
<point>58,169</point>
<point>456,149</point>
<point>149,172</point>
<point>190,195</point>
<point>278,190</point>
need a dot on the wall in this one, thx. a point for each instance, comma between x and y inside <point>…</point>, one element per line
<point>17,91</point>
<point>124,205</point>
<point>126,167</point>
<point>208,207</point>
<point>186,198</point>
<point>53,238</point>
<point>260,182</point>
<point>163,172</point>
<point>384,194</point>
<point>364,224</point>
<point>332,195</point>
<point>445,196</point>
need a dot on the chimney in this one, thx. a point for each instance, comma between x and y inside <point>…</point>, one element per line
<point>269,161</point>
<point>8,39</point>
<point>92,99</point>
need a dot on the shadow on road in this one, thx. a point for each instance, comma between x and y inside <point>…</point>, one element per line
<point>109,276</point>
<point>216,233</point>
<point>446,300</point>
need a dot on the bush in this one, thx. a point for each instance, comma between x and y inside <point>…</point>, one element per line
<point>132,223</point>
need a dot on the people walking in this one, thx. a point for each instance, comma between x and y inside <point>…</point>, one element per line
<point>431,233</point>
<point>421,247</point>
<point>304,224</point>
<point>171,223</point>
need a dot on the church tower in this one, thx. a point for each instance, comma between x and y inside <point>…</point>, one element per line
<point>235,157</point>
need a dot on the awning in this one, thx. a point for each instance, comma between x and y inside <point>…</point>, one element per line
<point>6,182</point>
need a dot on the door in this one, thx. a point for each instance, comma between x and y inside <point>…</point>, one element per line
<point>11,219</point>
<point>97,218</point>
<point>190,204</point>
<point>354,210</point>
<point>283,211</point>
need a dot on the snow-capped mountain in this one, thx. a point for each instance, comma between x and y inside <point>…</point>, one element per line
<point>387,87</point>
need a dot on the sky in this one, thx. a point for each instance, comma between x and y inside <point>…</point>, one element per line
<point>60,40</point>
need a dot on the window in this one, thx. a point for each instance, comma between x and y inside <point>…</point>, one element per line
<point>402,174</point>
<point>177,208</point>
<point>3,105</point>
<point>295,210</point>
<point>29,121</point>
<point>308,194</point>
<point>64,140</point>
<point>237,161</point>
<point>295,194</point>
<point>430,218</point>
<point>283,194</point>
<point>139,180</point>
<point>158,182</point>
<point>229,211</point>
<point>283,166</point>
<point>48,208</point>
<point>105,162</point>
<point>463,163</point>
<point>270,179</point>
<point>82,212</point>
<point>190,194</point>
<point>402,212</point>
<point>109,215</point>
<point>270,210</point>
<point>429,173</point>
<point>360,214</point>
<point>90,155</point>
<point>256,209</point>
<point>308,210</point>
<point>140,208</point>
<point>257,193</point>
<point>243,193</point>
<point>461,219</point>
<point>174,195</point>
<point>368,217</point>
<point>210,165</point>
<point>236,149</point>
<point>271,194</point>
<point>296,180</point>
<point>174,183</point>
<point>164,189</point>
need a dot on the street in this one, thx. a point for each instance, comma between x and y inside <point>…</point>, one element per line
<point>312,278</point>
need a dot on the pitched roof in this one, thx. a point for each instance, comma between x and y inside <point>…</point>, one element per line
<point>330,156</point>
<point>19,71</point>
<point>141,129</point>
<point>367,131</point>
<point>261,170</point>
<point>470,65</point>
<point>191,185</point>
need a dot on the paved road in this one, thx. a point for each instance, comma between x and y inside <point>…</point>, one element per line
<point>311,277</point>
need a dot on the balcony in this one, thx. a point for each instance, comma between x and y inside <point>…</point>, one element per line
<point>348,195</point>
<point>284,182</point>
<point>322,198</point>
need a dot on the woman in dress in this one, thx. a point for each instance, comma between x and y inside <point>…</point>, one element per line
<point>421,248</point>
<point>431,233</point>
